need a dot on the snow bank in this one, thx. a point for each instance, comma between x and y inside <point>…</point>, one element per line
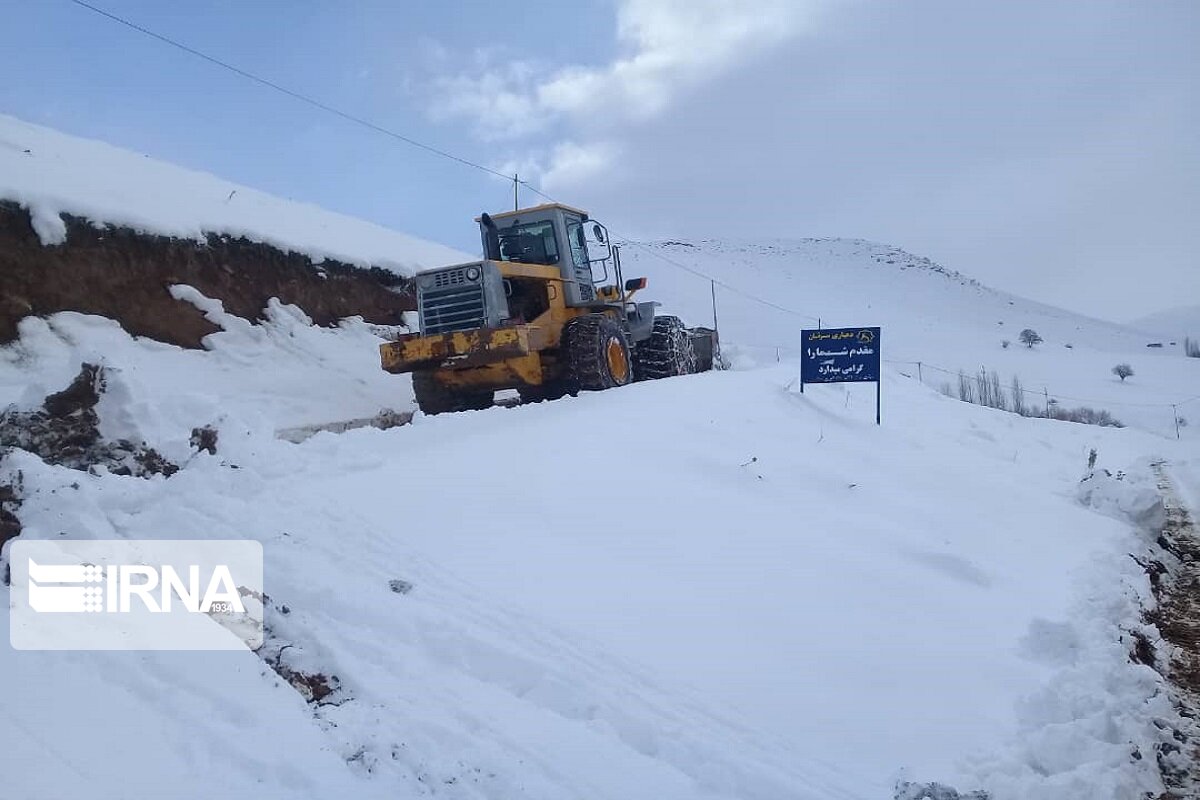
<point>1132,496</point>
<point>1095,728</point>
<point>280,374</point>
<point>51,173</point>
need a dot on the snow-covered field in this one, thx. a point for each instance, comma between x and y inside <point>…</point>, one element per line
<point>711,586</point>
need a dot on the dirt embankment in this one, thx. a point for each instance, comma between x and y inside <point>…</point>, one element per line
<point>120,273</point>
<point>66,431</point>
<point>1174,575</point>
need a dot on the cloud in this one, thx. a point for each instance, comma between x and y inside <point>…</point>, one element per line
<point>665,48</point>
<point>1052,154</point>
<point>568,163</point>
<point>499,102</point>
<point>670,46</point>
<point>572,164</point>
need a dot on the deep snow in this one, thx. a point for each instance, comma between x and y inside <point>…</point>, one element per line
<point>709,586</point>
<point>926,600</point>
<point>51,173</point>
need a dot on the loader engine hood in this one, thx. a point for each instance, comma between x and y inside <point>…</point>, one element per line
<point>461,298</point>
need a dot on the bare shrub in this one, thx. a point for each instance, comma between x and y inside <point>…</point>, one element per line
<point>966,388</point>
<point>985,389</point>
<point>983,393</point>
<point>1085,415</point>
<point>997,391</point>
<point>1122,371</point>
<point>1018,397</point>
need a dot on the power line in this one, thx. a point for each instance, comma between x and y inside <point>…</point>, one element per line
<point>289,92</point>
<point>698,273</point>
<point>728,287</point>
<point>311,101</point>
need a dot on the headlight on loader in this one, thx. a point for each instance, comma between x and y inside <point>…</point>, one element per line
<point>472,273</point>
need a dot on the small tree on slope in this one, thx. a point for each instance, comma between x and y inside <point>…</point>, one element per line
<point>1029,337</point>
<point>1122,371</point>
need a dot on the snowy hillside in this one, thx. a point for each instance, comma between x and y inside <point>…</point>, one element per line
<point>928,314</point>
<point>710,586</point>
<point>51,173</point>
<point>1174,322</point>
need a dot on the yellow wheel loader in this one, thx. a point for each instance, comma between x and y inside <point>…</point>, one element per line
<point>534,316</point>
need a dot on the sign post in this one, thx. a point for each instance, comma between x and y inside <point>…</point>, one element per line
<point>841,355</point>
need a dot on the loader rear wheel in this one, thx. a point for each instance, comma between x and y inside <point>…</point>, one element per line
<point>436,398</point>
<point>666,353</point>
<point>597,354</point>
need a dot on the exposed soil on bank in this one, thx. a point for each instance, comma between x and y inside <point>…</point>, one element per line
<point>125,275</point>
<point>1175,578</point>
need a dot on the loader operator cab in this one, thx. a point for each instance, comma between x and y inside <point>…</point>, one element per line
<point>565,238</point>
<point>552,235</point>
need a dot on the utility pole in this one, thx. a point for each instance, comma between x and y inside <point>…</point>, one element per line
<point>713,286</point>
<point>1175,414</point>
<point>516,188</point>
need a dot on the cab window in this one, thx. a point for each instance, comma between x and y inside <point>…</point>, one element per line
<point>578,243</point>
<point>529,243</point>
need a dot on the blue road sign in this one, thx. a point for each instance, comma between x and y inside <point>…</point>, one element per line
<point>837,355</point>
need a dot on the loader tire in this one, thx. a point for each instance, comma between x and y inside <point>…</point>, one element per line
<point>668,351</point>
<point>597,354</point>
<point>434,398</point>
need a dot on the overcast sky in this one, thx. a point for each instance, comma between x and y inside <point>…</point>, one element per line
<point>1051,149</point>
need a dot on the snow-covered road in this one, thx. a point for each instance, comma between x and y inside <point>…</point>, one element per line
<point>707,584</point>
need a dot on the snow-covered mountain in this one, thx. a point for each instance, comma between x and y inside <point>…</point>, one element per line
<point>1177,323</point>
<point>742,592</point>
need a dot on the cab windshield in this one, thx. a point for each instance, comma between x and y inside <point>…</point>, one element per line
<point>529,243</point>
